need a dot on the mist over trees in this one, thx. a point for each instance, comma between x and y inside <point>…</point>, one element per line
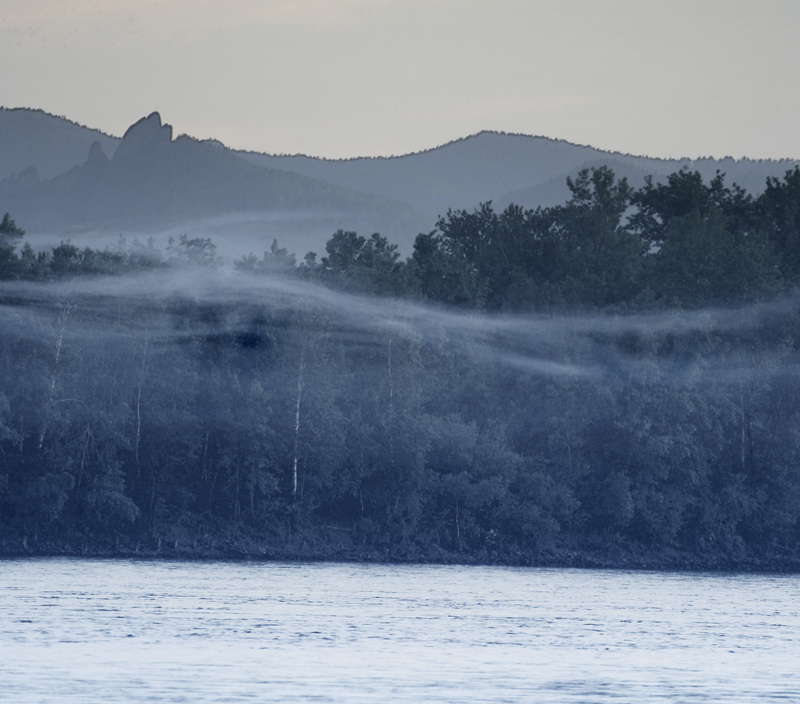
<point>614,377</point>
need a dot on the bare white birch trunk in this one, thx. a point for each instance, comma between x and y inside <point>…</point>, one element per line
<point>62,326</point>
<point>741,406</point>
<point>299,398</point>
<point>87,438</point>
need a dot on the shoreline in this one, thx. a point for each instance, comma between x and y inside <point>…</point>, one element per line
<point>662,560</point>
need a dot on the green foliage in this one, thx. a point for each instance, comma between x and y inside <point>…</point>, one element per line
<point>277,259</point>
<point>194,251</point>
<point>10,235</point>
<point>779,208</point>
<point>368,265</point>
<point>183,420</point>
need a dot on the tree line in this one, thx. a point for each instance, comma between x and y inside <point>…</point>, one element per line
<point>614,376</point>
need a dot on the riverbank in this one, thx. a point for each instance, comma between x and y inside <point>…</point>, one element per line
<point>609,556</point>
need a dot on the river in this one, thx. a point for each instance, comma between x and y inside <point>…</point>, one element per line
<point>80,630</point>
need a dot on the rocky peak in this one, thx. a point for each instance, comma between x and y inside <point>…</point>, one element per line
<point>97,163</point>
<point>97,155</point>
<point>146,135</point>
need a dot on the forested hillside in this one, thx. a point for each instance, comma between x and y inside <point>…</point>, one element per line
<point>610,381</point>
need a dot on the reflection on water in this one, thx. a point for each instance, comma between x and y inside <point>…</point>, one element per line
<point>121,631</point>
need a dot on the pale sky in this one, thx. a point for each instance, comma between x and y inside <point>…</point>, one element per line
<point>343,78</point>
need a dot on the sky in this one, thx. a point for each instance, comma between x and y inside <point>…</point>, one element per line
<point>344,78</point>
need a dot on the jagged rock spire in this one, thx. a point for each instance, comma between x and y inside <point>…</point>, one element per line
<point>144,136</point>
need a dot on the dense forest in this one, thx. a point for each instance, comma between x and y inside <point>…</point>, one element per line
<point>610,381</point>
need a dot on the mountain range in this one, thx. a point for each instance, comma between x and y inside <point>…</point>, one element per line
<point>61,180</point>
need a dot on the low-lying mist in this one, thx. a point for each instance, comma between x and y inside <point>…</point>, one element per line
<point>234,234</point>
<point>618,348</point>
<point>277,407</point>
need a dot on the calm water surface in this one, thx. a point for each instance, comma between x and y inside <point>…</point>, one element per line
<point>122,631</point>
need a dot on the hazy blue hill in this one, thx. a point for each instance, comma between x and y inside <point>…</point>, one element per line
<point>153,181</point>
<point>52,145</point>
<point>149,181</point>
<point>555,190</point>
<point>457,175</point>
<point>503,168</point>
<point>748,173</point>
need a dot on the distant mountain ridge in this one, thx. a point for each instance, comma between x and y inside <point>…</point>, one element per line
<point>504,168</point>
<point>153,182</point>
<point>64,179</point>
<point>50,144</point>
